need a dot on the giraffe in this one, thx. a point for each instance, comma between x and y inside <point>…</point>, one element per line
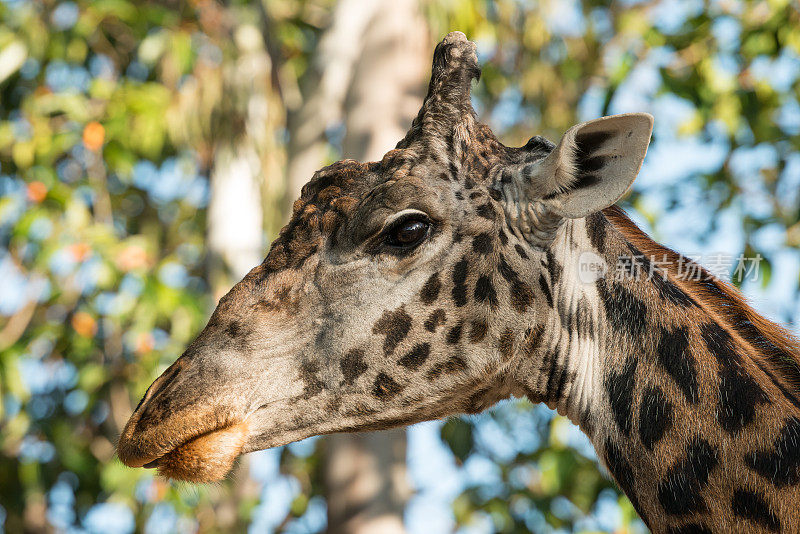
<point>457,272</point>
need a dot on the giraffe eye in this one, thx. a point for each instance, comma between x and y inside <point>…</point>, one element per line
<point>407,233</point>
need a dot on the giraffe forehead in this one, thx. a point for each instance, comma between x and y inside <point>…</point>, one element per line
<point>358,195</point>
<point>329,199</point>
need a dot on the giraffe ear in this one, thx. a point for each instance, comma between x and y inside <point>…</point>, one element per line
<point>593,165</point>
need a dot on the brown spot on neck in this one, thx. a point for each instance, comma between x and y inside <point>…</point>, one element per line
<point>773,348</point>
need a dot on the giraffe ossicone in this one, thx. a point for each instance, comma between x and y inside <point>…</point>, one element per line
<point>457,272</point>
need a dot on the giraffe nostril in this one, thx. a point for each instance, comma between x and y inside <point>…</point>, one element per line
<point>160,383</point>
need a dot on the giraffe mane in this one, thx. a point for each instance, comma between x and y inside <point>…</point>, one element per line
<point>774,345</point>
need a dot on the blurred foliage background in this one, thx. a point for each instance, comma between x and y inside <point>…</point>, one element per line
<point>117,117</point>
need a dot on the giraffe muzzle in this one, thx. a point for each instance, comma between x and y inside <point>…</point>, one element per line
<point>182,433</point>
<point>202,450</point>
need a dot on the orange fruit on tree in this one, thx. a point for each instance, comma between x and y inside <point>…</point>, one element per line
<point>93,136</point>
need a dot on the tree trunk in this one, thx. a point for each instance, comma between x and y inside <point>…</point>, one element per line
<point>235,217</point>
<point>240,131</point>
<point>332,70</point>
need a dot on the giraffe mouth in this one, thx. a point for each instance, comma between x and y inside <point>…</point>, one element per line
<point>205,457</point>
<point>201,447</point>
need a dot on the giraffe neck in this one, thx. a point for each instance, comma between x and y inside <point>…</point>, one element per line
<point>567,376</point>
<point>694,414</point>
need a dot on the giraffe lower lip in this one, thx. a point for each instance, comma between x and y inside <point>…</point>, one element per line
<point>157,457</point>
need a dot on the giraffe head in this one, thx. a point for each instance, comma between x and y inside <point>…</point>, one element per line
<point>400,291</point>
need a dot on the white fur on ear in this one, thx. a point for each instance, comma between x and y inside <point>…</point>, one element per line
<point>595,164</point>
